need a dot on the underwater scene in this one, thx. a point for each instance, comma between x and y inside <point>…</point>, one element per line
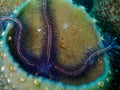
<point>59,44</point>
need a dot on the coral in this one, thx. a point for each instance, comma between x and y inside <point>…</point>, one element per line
<point>47,39</point>
<point>107,13</point>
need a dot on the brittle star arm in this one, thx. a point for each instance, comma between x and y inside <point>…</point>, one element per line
<point>18,39</point>
<point>85,66</point>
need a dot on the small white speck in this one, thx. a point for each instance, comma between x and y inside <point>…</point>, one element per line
<point>107,79</point>
<point>5,76</point>
<point>1,42</point>
<point>94,20</point>
<point>3,54</point>
<point>101,38</point>
<point>2,69</point>
<point>8,80</point>
<point>15,11</point>
<point>65,26</point>
<point>39,30</point>
<point>3,33</point>
<point>82,7</point>
<point>9,24</point>
<point>9,38</point>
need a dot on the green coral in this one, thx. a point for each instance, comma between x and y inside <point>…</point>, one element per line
<point>107,12</point>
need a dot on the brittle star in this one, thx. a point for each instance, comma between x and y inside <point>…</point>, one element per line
<point>46,66</point>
